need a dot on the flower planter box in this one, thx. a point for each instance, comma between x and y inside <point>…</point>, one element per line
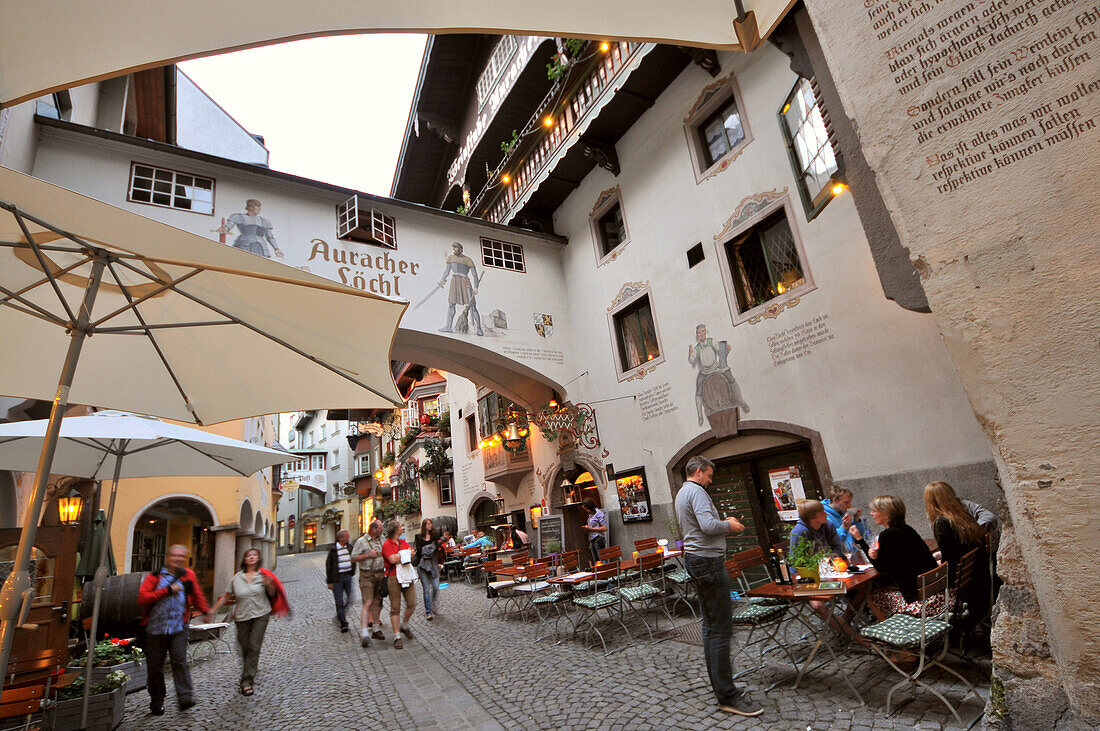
<point>138,671</point>
<point>105,711</point>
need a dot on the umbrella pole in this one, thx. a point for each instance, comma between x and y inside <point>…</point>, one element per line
<point>100,578</point>
<point>18,593</point>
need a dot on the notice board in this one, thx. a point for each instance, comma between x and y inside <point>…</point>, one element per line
<point>550,531</point>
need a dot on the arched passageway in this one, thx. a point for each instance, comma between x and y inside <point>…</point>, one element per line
<point>167,522</point>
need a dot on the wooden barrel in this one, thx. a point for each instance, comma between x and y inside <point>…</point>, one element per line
<point>445,522</point>
<point>119,613</point>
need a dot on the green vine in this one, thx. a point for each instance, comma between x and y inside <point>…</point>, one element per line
<point>508,145</point>
<point>410,434</point>
<point>388,458</point>
<point>114,680</point>
<point>557,68</point>
<point>436,461</point>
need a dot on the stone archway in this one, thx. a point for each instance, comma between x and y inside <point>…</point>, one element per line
<point>183,519</point>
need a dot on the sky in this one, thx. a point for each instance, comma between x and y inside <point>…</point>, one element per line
<point>331,109</point>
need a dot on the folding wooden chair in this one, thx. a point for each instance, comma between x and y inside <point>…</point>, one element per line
<point>496,589</point>
<point>594,601</point>
<point>645,589</point>
<point>755,616</point>
<point>24,701</point>
<point>924,637</point>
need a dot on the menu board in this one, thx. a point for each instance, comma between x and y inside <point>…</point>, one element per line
<point>551,538</point>
<point>634,497</point>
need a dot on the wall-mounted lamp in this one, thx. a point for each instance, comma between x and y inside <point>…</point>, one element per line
<point>68,509</point>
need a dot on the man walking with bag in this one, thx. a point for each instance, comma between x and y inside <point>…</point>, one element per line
<point>704,551</point>
<point>372,582</point>
<point>166,598</point>
<point>339,571</point>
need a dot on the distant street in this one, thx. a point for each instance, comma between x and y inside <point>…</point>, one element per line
<point>465,672</point>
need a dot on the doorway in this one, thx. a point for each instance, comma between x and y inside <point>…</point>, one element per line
<point>173,521</point>
<point>566,499</point>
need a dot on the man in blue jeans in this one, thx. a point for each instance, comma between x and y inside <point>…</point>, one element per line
<point>704,551</point>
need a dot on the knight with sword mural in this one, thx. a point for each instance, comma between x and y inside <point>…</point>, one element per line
<point>463,292</point>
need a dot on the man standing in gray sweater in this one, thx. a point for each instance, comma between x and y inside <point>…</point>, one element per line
<point>704,551</point>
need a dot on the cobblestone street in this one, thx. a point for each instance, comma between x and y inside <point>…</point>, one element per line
<point>463,671</point>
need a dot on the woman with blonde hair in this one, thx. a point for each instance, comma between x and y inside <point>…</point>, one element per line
<point>957,533</point>
<point>900,557</point>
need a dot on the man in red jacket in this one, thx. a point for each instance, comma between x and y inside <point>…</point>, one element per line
<point>166,598</point>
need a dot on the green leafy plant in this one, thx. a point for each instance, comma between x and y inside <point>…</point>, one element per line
<point>114,680</point>
<point>553,546</point>
<point>407,504</point>
<point>805,554</point>
<point>508,145</point>
<point>463,209</point>
<point>558,66</point>
<point>389,458</point>
<point>436,462</point>
<point>113,652</point>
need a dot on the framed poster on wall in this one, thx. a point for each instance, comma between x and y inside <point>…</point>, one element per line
<point>787,490</point>
<point>633,491</point>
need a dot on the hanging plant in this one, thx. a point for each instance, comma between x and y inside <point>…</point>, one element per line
<point>388,458</point>
<point>436,461</point>
<point>409,435</point>
<point>565,57</point>
<point>508,145</point>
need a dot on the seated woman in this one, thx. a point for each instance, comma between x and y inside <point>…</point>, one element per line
<point>957,533</point>
<point>900,557</point>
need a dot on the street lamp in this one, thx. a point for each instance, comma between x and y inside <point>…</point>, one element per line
<point>68,509</point>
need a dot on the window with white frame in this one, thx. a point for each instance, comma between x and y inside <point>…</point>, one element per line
<point>502,255</point>
<point>634,330</point>
<point>309,438</point>
<point>764,262</point>
<point>716,130</point>
<point>316,461</point>
<point>362,464</point>
<point>608,224</point>
<point>171,189</point>
<point>498,61</point>
<point>811,151</point>
<point>335,459</point>
<point>410,417</point>
<point>356,221</point>
<point>446,489</point>
<point>471,433</point>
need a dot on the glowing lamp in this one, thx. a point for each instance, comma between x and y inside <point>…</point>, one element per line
<point>553,404</point>
<point>536,513</point>
<point>605,47</point>
<point>379,474</point>
<point>68,509</point>
<point>839,188</point>
<point>506,178</point>
<point>786,108</point>
<point>840,565</point>
<point>548,121</point>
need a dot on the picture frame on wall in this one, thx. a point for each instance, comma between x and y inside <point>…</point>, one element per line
<point>633,492</point>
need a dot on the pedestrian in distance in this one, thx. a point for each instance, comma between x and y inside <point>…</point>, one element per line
<point>400,576</point>
<point>704,549</point>
<point>167,598</point>
<point>367,552</point>
<point>339,570</point>
<point>428,557</point>
<point>596,527</point>
<point>255,594</point>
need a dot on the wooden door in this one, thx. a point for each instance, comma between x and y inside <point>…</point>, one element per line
<point>776,529</point>
<point>54,560</point>
<point>734,493</point>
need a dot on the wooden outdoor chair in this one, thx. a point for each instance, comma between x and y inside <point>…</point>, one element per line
<point>560,595</point>
<point>470,570</point>
<point>23,701</point>
<point>531,586</point>
<point>646,545</point>
<point>594,601</point>
<point>766,618</point>
<point>645,590</point>
<point>496,589</point>
<point>30,680</point>
<point>924,638</point>
<point>520,557</point>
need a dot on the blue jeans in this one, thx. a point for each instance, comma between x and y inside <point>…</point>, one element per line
<point>596,545</point>
<point>341,594</point>
<point>430,585</point>
<point>714,597</point>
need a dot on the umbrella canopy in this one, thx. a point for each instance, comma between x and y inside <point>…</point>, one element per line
<point>182,327</point>
<point>99,544</point>
<point>150,448</point>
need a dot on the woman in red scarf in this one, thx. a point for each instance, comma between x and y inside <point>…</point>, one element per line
<point>257,595</point>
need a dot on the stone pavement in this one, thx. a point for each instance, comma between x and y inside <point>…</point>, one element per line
<point>463,671</point>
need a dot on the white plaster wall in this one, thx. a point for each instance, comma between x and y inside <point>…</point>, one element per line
<point>882,393</point>
<point>469,472</point>
<point>304,222</point>
<point>202,125</point>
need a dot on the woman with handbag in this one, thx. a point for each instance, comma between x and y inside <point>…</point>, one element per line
<point>427,559</point>
<point>256,594</point>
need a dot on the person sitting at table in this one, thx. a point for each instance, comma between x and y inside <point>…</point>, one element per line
<point>836,510</point>
<point>957,533</point>
<point>447,541</point>
<point>481,540</point>
<point>813,525</point>
<point>900,556</point>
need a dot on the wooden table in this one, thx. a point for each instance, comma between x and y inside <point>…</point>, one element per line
<point>772,590</point>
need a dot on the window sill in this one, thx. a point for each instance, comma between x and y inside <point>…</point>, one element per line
<point>613,254</point>
<point>772,308</point>
<point>641,371</point>
<point>723,163</point>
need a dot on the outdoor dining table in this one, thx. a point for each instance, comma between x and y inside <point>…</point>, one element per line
<point>771,590</point>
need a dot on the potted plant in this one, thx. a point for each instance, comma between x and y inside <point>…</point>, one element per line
<point>106,704</point>
<point>673,525</point>
<point>116,654</point>
<point>806,559</point>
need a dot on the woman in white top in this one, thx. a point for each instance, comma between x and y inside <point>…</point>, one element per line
<point>255,591</point>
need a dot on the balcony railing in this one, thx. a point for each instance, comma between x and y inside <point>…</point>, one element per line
<point>569,122</point>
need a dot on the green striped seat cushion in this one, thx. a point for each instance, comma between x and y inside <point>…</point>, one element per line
<point>757,614</point>
<point>596,601</point>
<point>553,598</point>
<point>767,601</point>
<point>680,576</point>
<point>634,593</point>
<point>903,630</point>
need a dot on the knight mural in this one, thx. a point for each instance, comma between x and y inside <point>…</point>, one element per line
<point>716,390</point>
<point>255,234</point>
<point>462,293</point>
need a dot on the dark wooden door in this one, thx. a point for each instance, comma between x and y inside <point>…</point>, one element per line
<point>734,493</point>
<point>54,560</point>
<point>777,530</point>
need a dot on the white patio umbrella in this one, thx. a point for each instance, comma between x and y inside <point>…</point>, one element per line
<point>141,447</point>
<point>167,323</point>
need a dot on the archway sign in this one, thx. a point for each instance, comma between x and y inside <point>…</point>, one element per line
<point>99,41</point>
